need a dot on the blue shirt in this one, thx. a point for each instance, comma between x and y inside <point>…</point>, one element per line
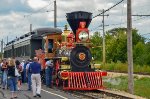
<point>35,68</point>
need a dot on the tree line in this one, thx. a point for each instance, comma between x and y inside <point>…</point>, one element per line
<point>116,47</point>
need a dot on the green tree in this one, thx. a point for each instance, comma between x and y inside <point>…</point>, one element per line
<point>96,49</point>
<point>116,42</point>
<point>147,45</point>
<point>139,53</point>
<point>116,46</point>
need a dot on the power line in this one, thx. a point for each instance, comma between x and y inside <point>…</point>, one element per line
<point>122,12</point>
<point>39,9</point>
<point>108,9</point>
<point>115,24</point>
<point>96,28</point>
<point>140,15</point>
<point>145,34</point>
<point>22,23</point>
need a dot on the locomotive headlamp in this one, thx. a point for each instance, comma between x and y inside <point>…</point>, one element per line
<point>83,36</point>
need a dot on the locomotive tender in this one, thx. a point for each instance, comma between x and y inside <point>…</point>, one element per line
<point>70,52</point>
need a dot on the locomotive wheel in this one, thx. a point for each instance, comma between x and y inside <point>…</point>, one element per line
<point>80,57</point>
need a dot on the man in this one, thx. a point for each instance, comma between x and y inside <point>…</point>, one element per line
<point>49,72</point>
<point>36,77</point>
<point>28,74</point>
<point>23,74</point>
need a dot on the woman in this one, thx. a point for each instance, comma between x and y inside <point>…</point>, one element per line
<point>12,78</point>
<point>4,73</point>
<point>19,78</point>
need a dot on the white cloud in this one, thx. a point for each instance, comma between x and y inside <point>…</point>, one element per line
<point>14,24</point>
<point>36,4</point>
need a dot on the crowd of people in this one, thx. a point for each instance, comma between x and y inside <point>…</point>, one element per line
<point>14,73</point>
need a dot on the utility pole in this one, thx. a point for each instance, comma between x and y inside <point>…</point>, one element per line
<point>55,14</point>
<point>7,39</point>
<point>102,14</point>
<point>2,46</point>
<point>2,49</point>
<point>103,25</point>
<point>104,54</point>
<point>30,27</point>
<point>129,48</point>
<point>104,50</point>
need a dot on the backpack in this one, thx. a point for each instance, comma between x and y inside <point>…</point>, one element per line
<point>29,68</point>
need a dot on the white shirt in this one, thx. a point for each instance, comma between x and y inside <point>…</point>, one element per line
<point>49,63</point>
<point>1,64</point>
<point>27,67</point>
<point>22,65</point>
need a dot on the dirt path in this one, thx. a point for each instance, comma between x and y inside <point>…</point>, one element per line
<point>114,74</point>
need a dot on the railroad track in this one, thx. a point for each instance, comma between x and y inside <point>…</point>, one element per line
<point>97,94</point>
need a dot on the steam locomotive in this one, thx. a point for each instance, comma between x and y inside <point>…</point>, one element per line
<point>70,52</point>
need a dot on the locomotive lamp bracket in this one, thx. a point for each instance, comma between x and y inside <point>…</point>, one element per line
<point>64,75</point>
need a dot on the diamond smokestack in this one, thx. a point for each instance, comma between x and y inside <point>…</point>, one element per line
<point>74,18</point>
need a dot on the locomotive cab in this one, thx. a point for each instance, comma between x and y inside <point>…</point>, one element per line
<point>51,43</point>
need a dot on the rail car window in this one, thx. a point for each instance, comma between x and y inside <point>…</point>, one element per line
<point>18,51</point>
<point>23,50</point>
<point>50,46</point>
<point>26,50</point>
<point>27,47</point>
<point>15,52</point>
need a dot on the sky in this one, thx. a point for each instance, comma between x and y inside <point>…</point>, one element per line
<point>17,15</point>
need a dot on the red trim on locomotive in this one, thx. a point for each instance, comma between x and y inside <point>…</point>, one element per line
<point>70,40</point>
<point>79,30</point>
<point>83,80</point>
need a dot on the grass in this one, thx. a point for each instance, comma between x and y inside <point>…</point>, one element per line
<point>141,85</point>
<point>123,67</point>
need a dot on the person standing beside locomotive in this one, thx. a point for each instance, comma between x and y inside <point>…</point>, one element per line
<point>12,79</point>
<point>36,77</point>
<point>28,74</point>
<point>20,70</point>
<point>23,74</point>
<point>4,73</point>
<point>1,76</point>
<point>49,72</point>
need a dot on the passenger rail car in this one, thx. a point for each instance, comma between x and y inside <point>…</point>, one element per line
<point>24,47</point>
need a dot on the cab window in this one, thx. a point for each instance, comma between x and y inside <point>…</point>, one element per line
<point>50,46</point>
